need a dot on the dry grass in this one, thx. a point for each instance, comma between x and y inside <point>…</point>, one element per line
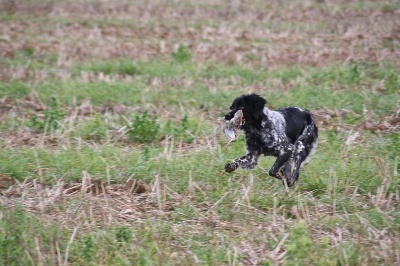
<point>92,204</point>
<point>71,204</point>
<point>261,33</point>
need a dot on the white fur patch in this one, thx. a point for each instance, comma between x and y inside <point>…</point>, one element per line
<point>276,118</point>
<point>312,151</point>
<point>277,135</point>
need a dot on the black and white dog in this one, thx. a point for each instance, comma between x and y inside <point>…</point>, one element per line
<point>289,134</point>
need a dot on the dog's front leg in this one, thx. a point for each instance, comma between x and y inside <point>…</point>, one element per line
<point>249,161</point>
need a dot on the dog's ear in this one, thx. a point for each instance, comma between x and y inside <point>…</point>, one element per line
<point>255,103</point>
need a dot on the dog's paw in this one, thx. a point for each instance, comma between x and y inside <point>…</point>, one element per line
<point>230,167</point>
<point>289,182</point>
<point>273,173</point>
<point>280,174</point>
<point>293,178</point>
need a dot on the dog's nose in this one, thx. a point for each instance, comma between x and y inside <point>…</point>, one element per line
<point>228,117</point>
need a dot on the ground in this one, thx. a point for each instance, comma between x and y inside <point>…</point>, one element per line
<point>112,154</point>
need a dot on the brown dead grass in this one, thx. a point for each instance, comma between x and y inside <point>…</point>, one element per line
<point>304,33</point>
<point>333,120</point>
<point>92,203</point>
<point>107,203</point>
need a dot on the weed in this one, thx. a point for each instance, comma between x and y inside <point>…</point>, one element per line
<point>392,84</point>
<point>143,129</point>
<point>53,117</point>
<point>182,54</point>
<point>94,129</point>
<point>27,52</point>
<point>146,154</point>
<point>180,131</point>
<point>123,234</point>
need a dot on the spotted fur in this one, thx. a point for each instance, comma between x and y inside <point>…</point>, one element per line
<point>289,134</point>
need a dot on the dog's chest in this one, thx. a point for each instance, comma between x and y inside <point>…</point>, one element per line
<point>268,141</point>
<point>273,141</point>
<point>271,137</point>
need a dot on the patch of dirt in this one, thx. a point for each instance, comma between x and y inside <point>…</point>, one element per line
<point>333,119</point>
<point>6,181</point>
<point>385,124</point>
<point>266,35</point>
<point>5,106</point>
<point>26,137</point>
<point>74,203</point>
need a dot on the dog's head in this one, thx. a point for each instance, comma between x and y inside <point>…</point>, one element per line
<point>252,106</point>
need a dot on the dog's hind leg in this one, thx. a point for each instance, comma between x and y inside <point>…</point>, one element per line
<point>304,148</point>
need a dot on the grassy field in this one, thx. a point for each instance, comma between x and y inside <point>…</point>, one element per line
<point>111,153</point>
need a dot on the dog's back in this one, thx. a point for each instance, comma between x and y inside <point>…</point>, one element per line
<point>296,120</point>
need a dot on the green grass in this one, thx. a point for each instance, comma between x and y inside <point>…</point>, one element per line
<point>334,87</point>
<point>335,171</point>
<point>87,145</point>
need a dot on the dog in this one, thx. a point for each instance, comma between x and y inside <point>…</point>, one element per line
<point>289,134</point>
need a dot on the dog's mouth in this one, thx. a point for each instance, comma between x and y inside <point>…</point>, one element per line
<point>231,115</point>
<point>235,118</point>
